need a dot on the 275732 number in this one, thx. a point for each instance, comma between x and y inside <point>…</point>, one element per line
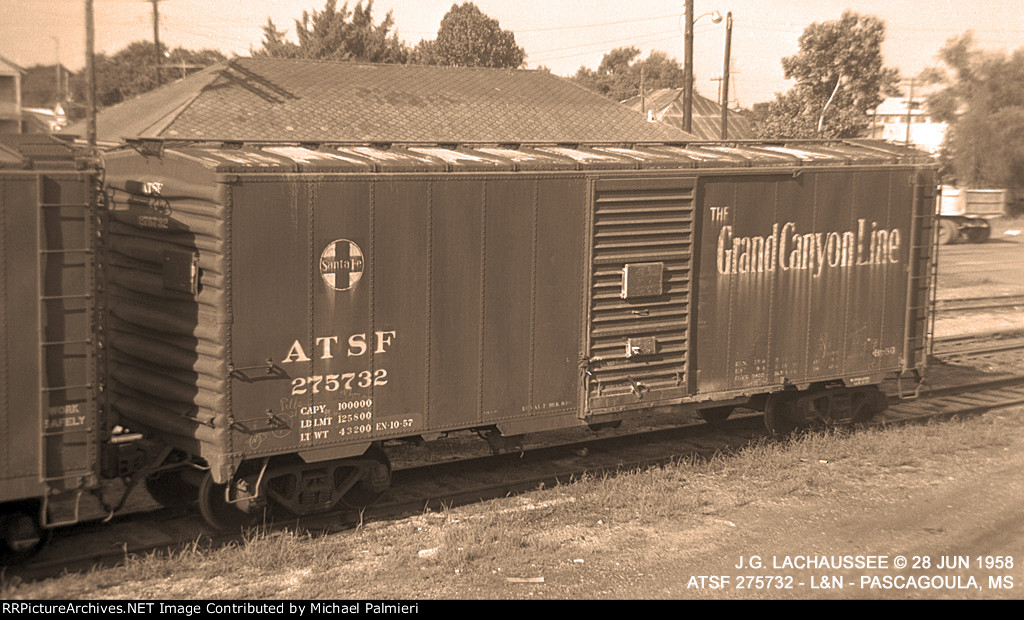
<point>315,384</point>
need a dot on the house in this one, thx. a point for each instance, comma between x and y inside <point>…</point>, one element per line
<point>309,101</point>
<point>666,105</point>
<point>889,122</point>
<point>10,97</point>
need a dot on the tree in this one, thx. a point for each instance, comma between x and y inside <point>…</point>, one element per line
<point>275,44</point>
<point>132,71</point>
<point>839,78</point>
<point>619,75</point>
<point>982,99</point>
<point>337,34</point>
<point>468,38</point>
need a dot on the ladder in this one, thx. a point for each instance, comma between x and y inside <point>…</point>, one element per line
<point>919,321</point>
<point>68,450</point>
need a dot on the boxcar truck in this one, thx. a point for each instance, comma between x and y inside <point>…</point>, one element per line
<point>274,314</point>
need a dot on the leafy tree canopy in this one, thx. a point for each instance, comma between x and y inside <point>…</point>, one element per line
<point>839,78</point>
<point>132,70</point>
<point>982,99</point>
<point>619,75</point>
<point>337,34</point>
<point>469,38</point>
<point>276,44</point>
<point>122,75</point>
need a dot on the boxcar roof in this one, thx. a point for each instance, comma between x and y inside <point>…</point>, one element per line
<point>666,104</point>
<point>415,157</point>
<point>307,100</point>
<point>35,150</point>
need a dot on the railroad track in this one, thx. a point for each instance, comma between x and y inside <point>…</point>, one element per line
<point>978,345</point>
<point>440,485</point>
<point>1001,302</point>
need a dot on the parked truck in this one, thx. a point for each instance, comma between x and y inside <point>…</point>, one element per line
<point>964,213</point>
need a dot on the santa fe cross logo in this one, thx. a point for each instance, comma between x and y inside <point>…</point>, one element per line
<point>341,264</point>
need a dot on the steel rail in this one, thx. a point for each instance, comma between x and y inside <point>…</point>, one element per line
<point>979,303</point>
<point>978,345</point>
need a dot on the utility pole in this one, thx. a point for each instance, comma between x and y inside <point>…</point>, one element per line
<point>688,68</point>
<point>156,38</point>
<point>60,76</point>
<point>725,76</point>
<point>90,69</point>
<point>910,106</point>
<point>643,100</point>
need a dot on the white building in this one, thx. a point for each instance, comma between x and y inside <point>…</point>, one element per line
<point>10,97</point>
<point>889,122</point>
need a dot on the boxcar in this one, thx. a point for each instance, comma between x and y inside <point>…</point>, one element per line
<point>274,313</point>
<point>49,431</point>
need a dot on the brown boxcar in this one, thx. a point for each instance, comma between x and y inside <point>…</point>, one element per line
<point>273,311</point>
<point>48,415</point>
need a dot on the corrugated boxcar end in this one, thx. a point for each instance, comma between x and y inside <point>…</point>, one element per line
<point>167,291</point>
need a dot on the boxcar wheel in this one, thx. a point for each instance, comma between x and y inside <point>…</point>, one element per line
<point>374,469</point>
<point>866,405</point>
<point>716,415</point>
<point>170,490</point>
<point>215,508</point>
<point>949,232</point>
<point>779,417</point>
<point>21,535</point>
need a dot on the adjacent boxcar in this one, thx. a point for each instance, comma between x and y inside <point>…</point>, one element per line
<point>275,312</point>
<point>48,414</point>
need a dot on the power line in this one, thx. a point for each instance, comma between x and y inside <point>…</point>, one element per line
<point>601,25</point>
<point>600,46</point>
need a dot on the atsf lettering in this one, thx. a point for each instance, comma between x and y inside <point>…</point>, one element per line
<point>787,249</point>
<point>327,347</point>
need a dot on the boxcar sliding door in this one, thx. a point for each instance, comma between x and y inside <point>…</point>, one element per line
<point>639,297</point>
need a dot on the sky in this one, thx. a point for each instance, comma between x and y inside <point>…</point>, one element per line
<point>562,35</point>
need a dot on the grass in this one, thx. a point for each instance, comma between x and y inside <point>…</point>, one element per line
<point>591,538</point>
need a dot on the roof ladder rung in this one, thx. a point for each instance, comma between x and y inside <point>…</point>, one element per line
<point>68,251</point>
<point>58,297</point>
<point>58,388</point>
<point>58,343</point>
<point>62,433</point>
